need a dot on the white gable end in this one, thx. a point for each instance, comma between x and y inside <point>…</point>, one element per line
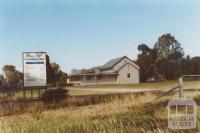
<point>128,74</point>
<point>123,62</point>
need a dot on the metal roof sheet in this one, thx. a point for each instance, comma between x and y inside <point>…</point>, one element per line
<point>111,63</point>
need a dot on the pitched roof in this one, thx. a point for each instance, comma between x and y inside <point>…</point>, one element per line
<point>112,62</point>
<point>109,65</point>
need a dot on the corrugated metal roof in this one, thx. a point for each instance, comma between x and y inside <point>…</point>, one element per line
<point>111,63</point>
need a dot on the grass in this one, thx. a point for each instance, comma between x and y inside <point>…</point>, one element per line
<point>124,122</point>
<point>156,85</point>
<point>102,89</point>
<point>12,107</point>
<point>140,120</point>
<point>107,113</point>
<point>125,114</point>
<point>114,88</point>
<point>19,94</point>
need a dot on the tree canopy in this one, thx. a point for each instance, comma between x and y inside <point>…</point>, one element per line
<point>11,74</point>
<point>165,61</point>
<point>169,48</point>
<point>1,79</point>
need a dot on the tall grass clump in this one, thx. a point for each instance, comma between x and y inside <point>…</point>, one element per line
<point>56,99</point>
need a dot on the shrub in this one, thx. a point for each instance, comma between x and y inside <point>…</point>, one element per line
<point>54,95</point>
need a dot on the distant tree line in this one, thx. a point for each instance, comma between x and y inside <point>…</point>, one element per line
<point>165,61</point>
<point>84,71</point>
<point>55,76</point>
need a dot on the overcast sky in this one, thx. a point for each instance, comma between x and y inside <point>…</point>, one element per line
<point>82,34</point>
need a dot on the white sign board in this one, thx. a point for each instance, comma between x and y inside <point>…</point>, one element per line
<point>34,67</point>
<point>182,114</point>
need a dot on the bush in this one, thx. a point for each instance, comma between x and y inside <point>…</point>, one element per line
<point>54,95</point>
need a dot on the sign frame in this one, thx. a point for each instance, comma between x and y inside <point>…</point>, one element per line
<point>34,87</point>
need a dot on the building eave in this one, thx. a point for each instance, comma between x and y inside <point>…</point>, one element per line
<point>94,74</point>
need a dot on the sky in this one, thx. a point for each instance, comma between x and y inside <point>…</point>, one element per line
<point>81,34</point>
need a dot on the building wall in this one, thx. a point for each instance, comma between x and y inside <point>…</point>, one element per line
<point>123,75</point>
<point>94,79</point>
<point>124,67</point>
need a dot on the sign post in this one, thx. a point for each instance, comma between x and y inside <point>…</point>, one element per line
<point>34,69</point>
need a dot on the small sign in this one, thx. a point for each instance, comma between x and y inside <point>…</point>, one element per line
<point>182,114</point>
<point>34,68</point>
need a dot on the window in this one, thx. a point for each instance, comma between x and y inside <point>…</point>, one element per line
<point>128,75</point>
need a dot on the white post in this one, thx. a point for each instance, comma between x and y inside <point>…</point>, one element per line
<point>95,78</point>
<point>84,79</point>
<point>181,93</point>
<point>186,109</point>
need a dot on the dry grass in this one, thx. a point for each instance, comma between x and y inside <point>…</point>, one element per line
<point>85,106</point>
<point>156,85</point>
<point>12,107</point>
<point>109,113</point>
<point>128,113</point>
<point>115,88</point>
